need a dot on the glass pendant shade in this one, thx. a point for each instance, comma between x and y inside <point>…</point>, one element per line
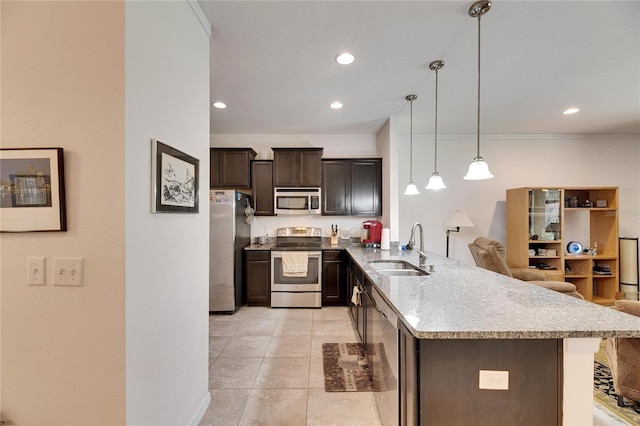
<point>412,189</point>
<point>435,182</point>
<point>478,170</point>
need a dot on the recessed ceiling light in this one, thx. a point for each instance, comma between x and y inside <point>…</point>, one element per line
<point>345,58</point>
<point>336,105</point>
<point>570,111</point>
<point>220,105</point>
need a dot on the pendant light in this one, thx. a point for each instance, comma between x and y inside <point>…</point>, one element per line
<point>478,169</point>
<point>435,181</point>
<point>412,189</point>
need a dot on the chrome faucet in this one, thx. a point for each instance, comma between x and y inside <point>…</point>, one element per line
<point>412,242</point>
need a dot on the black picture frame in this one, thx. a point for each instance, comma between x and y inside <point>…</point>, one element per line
<point>175,180</point>
<point>32,190</point>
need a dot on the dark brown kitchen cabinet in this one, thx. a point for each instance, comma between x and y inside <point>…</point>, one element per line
<point>257,273</point>
<point>355,280</point>
<point>450,367</point>
<point>262,187</point>
<point>352,187</point>
<point>336,194</point>
<point>230,167</point>
<point>297,167</point>
<point>334,288</point>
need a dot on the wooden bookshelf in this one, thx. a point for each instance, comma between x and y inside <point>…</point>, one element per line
<point>541,221</point>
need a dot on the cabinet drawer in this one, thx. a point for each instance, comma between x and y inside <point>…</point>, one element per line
<point>332,255</point>
<point>255,255</point>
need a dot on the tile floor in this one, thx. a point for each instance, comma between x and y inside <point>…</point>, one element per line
<point>266,369</point>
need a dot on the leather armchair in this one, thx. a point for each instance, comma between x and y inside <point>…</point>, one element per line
<point>624,358</point>
<point>490,254</point>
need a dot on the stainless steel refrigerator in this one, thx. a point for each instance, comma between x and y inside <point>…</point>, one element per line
<point>229,235</point>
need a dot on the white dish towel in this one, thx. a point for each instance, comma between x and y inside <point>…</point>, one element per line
<point>294,264</point>
<point>355,297</point>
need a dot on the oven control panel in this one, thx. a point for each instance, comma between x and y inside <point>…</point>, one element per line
<point>299,231</point>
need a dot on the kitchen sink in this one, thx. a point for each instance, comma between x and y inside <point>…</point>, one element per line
<point>396,268</point>
<point>402,272</point>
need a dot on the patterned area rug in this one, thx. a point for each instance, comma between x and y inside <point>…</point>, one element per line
<point>604,393</point>
<point>346,369</point>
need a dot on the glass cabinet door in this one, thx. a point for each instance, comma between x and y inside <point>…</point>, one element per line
<point>544,214</point>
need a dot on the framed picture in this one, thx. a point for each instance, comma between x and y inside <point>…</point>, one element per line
<point>174,180</point>
<point>32,194</point>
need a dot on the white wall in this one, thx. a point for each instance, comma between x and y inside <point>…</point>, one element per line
<point>167,255</point>
<point>63,356</point>
<point>515,162</point>
<point>388,147</point>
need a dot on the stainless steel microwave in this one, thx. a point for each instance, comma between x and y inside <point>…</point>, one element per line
<point>300,201</point>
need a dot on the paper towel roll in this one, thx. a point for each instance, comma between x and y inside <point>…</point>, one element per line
<point>384,239</point>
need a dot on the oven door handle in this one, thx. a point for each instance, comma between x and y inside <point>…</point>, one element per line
<point>314,254</point>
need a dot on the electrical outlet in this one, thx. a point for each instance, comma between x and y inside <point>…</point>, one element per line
<point>36,272</point>
<point>494,380</point>
<point>68,271</point>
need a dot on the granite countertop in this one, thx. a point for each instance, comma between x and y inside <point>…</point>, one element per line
<point>461,301</point>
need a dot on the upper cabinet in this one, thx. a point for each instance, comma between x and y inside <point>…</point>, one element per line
<point>352,187</point>
<point>230,167</point>
<point>262,187</point>
<point>297,167</point>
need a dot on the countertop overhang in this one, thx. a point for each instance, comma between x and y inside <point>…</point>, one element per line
<point>461,301</point>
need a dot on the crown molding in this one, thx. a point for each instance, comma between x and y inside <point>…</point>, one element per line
<point>206,25</point>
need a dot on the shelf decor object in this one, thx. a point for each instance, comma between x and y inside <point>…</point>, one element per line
<point>435,181</point>
<point>478,169</point>
<point>174,180</point>
<point>456,220</point>
<point>412,189</point>
<point>32,194</point>
<point>574,247</point>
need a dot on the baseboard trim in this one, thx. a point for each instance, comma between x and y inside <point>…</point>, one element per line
<point>201,411</point>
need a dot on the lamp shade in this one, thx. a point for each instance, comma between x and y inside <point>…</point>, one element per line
<point>412,189</point>
<point>435,182</point>
<point>457,219</point>
<point>478,170</point>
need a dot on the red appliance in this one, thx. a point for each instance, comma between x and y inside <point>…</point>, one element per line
<point>372,233</point>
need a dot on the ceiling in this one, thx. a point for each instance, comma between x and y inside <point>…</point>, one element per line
<point>272,63</point>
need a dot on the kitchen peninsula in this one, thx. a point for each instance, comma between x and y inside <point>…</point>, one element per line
<point>461,319</point>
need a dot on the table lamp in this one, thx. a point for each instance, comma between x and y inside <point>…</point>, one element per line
<point>456,219</point>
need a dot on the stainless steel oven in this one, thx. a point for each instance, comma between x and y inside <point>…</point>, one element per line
<point>302,291</point>
<point>296,268</point>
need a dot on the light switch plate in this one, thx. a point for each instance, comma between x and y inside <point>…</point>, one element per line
<point>36,272</point>
<point>68,271</point>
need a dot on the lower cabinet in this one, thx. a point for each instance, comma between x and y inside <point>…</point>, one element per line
<point>257,273</point>
<point>355,281</point>
<point>437,374</point>
<point>334,288</point>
